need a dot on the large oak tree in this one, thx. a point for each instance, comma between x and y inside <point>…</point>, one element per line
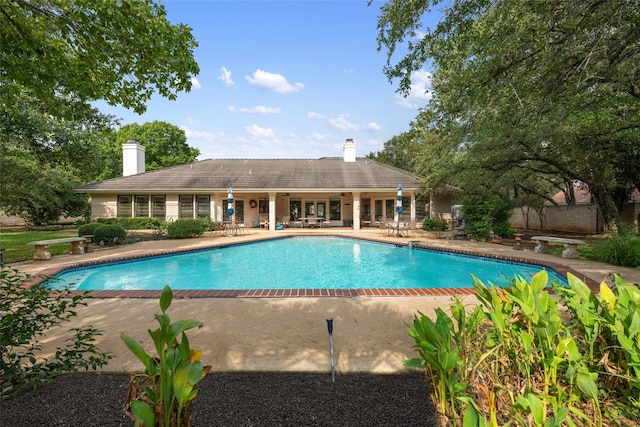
<point>525,89</point>
<point>120,51</point>
<point>57,57</point>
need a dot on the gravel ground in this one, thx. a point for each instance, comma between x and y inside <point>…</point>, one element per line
<point>237,399</point>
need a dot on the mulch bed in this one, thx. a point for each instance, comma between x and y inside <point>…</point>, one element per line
<point>237,399</point>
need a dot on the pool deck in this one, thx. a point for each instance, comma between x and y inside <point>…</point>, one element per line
<point>281,332</point>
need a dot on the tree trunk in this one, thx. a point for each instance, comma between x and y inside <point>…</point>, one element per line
<point>606,204</point>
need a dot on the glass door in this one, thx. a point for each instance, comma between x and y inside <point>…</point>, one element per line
<point>322,210</point>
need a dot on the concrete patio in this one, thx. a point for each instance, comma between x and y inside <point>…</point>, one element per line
<point>282,334</point>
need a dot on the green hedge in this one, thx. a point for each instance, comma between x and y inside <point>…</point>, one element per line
<point>622,248</point>
<point>88,229</point>
<point>436,224</point>
<point>110,235</point>
<point>186,228</point>
<point>140,223</point>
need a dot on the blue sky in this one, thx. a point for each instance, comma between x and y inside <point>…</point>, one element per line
<point>284,79</point>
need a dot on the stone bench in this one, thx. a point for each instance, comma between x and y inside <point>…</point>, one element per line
<point>570,245</point>
<point>42,246</point>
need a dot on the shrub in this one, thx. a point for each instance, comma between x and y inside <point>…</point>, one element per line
<point>88,229</point>
<point>503,230</point>
<point>137,223</point>
<point>483,213</point>
<point>622,248</point>
<point>525,357</point>
<point>186,228</point>
<point>110,234</point>
<point>436,224</point>
<point>26,314</point>
<point>164,393</point>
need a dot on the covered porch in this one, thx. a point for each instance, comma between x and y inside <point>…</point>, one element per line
<point>354,209</point>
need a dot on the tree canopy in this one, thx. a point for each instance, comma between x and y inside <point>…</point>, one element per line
<point>400,151</point>
<point>117,51</point>
<point>57,57</point>
<point>165,146</point>
<point>527,96</point>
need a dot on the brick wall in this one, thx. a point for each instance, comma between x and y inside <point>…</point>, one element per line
<point>573,219</point>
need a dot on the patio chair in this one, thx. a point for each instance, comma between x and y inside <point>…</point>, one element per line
<point>387,227</point>
<point>285,220</point>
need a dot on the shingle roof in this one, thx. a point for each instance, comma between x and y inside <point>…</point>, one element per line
<point>264,174</point>
<point>583,196</point>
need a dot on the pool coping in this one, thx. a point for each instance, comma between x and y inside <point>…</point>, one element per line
<point>298,293</point>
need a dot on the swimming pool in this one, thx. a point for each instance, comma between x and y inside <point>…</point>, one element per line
<point>297,263</point>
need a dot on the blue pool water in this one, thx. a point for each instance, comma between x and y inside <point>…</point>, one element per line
<point>297,263</point>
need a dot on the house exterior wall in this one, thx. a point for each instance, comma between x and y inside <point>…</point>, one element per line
<point>573,219</point>
<point>440,206</point>
<point>104,206</point>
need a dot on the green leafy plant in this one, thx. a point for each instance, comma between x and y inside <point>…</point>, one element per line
<point>110,235</point>
<point>186,228</point>
<point>436,224</point>
<point>163,394</point>
<point>484,214</point>
<point>443,347</point>
<point>27,313</point>
<point>621,248</point>
<point>529,361</point>
<point>88,229</point>
<point>134,223</point>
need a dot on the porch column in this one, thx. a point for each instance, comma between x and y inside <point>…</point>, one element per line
<point>413,206</point>
<point>219,208</point>
<point>356,211</point>
<point>272,211</point>
<point>212,208</point>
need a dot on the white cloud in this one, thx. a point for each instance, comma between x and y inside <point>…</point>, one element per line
<point>260,132</point>
<point>421,91</point>
<point>317,116</point>
<point>258,109</point>
<point>225,76</point>
<point>207,136</point>
<point>274,82</point>
<point>374,126</point>
<point>195,84</point>
<point>342,124</point>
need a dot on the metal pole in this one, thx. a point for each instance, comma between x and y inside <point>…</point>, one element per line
<point>333,366</point>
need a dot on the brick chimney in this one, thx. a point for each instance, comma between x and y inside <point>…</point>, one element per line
<point>132,158</point>
<point>349,151</point>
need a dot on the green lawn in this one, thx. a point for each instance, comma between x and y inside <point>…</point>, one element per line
<point>15,243</point>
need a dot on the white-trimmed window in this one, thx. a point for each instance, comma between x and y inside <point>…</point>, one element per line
<point>159,207</point>
<point>203,206</point>
<point>125,206</point>
<point>141,206</point>
<point>186,206</point>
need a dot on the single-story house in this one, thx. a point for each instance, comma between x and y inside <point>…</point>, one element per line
<point>348,191</point>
